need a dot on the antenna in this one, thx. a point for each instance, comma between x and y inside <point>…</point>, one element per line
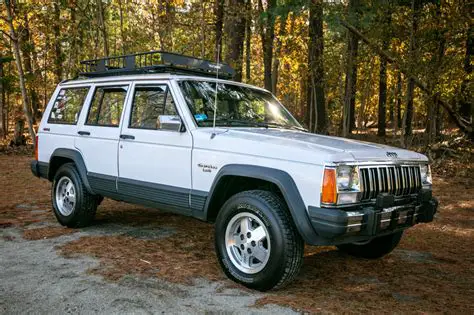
<point>215,94</point>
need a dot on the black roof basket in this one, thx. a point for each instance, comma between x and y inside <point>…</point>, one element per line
<point>153,62</point>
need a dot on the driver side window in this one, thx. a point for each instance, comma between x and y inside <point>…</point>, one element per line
<point>152,106</point>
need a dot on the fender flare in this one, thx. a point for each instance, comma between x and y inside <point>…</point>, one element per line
<point>282,180</point>
<point>78,160</point>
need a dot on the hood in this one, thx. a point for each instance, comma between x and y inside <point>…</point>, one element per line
<point>331,149</point>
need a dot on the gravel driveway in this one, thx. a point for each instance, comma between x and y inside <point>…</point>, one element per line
<point>35,279</point>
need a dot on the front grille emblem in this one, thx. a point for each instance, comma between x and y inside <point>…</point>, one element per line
<point>392,155</point>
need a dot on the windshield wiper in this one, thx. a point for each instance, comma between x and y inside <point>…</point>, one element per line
<point>243,122</point>
<point>286,126</point>
<point>266,125</point>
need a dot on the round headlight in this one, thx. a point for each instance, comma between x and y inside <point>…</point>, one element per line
<point>344,177</point>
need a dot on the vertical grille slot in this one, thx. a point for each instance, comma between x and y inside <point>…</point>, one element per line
<point>399,180</point>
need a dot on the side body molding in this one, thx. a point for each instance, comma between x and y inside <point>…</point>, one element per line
<point>75,156</point>
<point>282,180</point>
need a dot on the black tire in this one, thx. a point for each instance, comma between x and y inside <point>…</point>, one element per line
<point>286,252</point>
<point>85,205</point>
<point>376,248</point>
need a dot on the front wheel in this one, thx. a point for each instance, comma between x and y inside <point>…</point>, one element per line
<point>257,242</point>
<point>376,248</point>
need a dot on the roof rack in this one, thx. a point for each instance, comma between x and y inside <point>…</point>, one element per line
<point>153,62</point>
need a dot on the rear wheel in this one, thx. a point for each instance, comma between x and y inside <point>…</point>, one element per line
<point>73,206</point>
<point>257,242</point>
<point>376,248</point>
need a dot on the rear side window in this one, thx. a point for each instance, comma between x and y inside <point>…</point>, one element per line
<point>150,104</point>
<point>107,105</point>
<point>67,106</point>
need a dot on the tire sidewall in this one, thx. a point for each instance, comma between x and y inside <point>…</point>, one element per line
<point>266,278</point>
<point>69,171</point>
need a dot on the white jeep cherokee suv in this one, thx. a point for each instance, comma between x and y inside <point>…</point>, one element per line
<point>143,132</point>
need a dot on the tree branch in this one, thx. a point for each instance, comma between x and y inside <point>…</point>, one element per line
<point>423,87</point>
<point>7,35</point>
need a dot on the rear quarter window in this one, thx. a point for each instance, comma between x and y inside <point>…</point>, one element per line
<point>67,106</point>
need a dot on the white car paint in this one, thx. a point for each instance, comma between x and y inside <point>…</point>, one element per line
<point>177,159</point>
<point>155,156</point>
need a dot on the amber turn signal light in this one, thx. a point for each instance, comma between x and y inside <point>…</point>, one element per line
<point>328,194</point>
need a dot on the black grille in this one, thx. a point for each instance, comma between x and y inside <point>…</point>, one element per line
<point>394,179</point>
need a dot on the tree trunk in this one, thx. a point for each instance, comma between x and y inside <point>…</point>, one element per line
<point>432,131</point>
<point>21,76</point>
<point>248,38</point>
<point>58,60</point>
<point>382,98</point>
<point>267,36</point>
<point>348,121</point>
<point>122,31</point>
<point>391,106</point>
<point>18,133</point>
<point>219,12</point>
<point>102,27</point>
<point>27,46</point>
<point>398,103</point>
<point>415,5</point>
<point>383,76</point>
<point>466,103</point>
<point>366,91</point>
<point>235,33</point>
<point>317,120</point>
<point>3,129</point>
<point>203,30</point>
<point>278,46</point>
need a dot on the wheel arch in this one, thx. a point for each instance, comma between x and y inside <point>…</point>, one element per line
<point>62,156</point>
<point>280,179</point>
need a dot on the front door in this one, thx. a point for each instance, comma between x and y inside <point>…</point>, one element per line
<point>154,150</point>
<point>98,137</point>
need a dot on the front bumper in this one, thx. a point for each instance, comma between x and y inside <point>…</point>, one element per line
<point>336,226</point>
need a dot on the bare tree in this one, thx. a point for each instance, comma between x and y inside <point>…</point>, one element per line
<point>3,127</point>
<point>219,13</point>
<point>58,71</point>
<point>235,33</point>
<point>348,120</point>
<point>102,26</point>
<point>16,49</point>
<point>122,31</point>
<point>316,112</point>
<point>386,19</point>
<point>415,6</point>
<point>467,86</point>
<point>278,46</point>
<point>248,38</point>
<point>267,34</point>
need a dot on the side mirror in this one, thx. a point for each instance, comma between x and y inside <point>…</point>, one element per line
<point>171,122</point>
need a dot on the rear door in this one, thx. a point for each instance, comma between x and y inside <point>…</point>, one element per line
<point>155,149</point>
<point>98,136</point>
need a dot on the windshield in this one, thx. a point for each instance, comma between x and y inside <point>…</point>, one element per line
<point>237,106</point>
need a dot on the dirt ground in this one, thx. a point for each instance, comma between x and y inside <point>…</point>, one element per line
<point>139,260</point>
